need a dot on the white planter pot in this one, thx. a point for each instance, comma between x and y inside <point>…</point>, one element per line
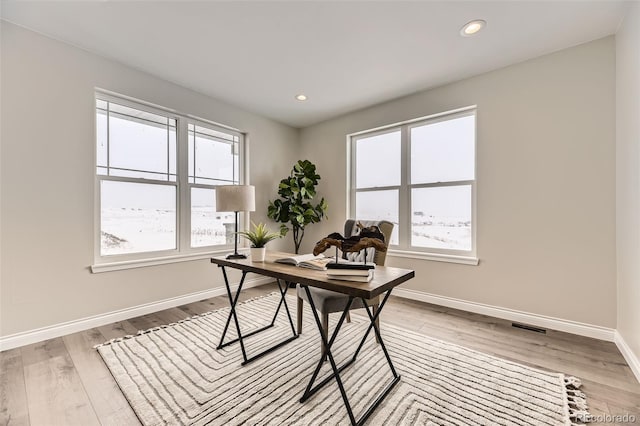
<point>258,254</point>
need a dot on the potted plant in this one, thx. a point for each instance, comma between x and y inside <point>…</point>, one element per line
<point>259,236</point>
<point>295,206</point>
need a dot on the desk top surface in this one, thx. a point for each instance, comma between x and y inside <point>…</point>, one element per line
<point>385,277</point>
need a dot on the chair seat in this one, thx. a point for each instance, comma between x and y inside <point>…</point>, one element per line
<point>327,300</point>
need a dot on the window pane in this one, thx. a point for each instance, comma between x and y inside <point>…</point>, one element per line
<point>172,150</point>
<point>138,145</point>
<point>137,217</point>
<point>378,160</point>
<point>441,217</point>
<point>379,205</point>
<point>214,160</point>
<point>236,163</point>
<point>208,227</point>
<point>443,151</point>
<point>212,155</point>
<point>101,138</point>
<point>191,154</point>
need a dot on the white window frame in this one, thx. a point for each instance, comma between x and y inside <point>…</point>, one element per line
<point>404,248</point>
<point>183,250</point>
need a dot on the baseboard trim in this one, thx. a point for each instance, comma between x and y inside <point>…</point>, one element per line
<point>573,327</point>
<point>62,329</point>
<point>631,358</point>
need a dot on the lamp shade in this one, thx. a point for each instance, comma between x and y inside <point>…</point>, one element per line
<point>235,198</point>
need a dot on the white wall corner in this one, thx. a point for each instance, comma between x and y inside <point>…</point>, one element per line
<point>559,324</point>
<point>62,329</point>
<point>632,359</point>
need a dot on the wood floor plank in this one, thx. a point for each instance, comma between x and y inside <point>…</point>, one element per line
<point>108,402</point>
<point>612,395</point>
<point>169,316</point>
<point>14,409</point>
<point>157,319</point>
<point>626,414</point>
<point>597,407</point>
<point>117,329</point>
<point>55,392</point>
<point>202,306</point>
<point>143,322</point>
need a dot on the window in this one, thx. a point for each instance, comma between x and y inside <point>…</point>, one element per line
<point>213,160</point>
<point>156,175</point>
<point>420,175</point>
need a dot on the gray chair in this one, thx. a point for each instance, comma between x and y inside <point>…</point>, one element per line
<point>327,301</point>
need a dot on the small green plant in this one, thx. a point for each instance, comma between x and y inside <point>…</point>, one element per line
<point>260,235</point>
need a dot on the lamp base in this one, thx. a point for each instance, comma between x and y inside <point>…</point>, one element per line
<point>236,256</point>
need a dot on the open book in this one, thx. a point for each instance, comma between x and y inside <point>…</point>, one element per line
<point>307,261</point>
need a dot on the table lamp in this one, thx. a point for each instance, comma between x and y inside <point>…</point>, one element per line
<point>236,198</point>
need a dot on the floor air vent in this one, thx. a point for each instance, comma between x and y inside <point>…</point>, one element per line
<point>529,327</point>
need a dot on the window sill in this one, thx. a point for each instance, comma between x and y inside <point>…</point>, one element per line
<point>465,260</point>
<point>141,263</point>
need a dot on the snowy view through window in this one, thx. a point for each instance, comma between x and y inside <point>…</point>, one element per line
<point>441,217</point>
<point>137,217</point>
<point>438,188</point>
<point>443,151</point>
<point>208,227</point>
<point>213,160</point>
<point>137,164</point>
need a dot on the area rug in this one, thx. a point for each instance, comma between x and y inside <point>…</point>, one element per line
<point>174,375</point>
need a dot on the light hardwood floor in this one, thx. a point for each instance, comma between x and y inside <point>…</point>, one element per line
<point>63,381</point>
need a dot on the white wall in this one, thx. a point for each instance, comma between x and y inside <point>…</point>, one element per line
<point>47,182</point>
<point>628,178</point>
<point>546,184</point>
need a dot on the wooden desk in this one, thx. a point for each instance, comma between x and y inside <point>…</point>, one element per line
<point>385,279</point>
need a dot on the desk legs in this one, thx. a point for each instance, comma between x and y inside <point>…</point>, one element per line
<point>233,301</point>
<point>310,390</point>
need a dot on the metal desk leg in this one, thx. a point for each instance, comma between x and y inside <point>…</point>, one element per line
<point>310,390</point>
<point>284,287</point>
<point>233,301</point>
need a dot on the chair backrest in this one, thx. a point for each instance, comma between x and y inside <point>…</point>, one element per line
<point>386,228</point>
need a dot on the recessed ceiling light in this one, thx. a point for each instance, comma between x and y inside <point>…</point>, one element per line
<point>471,28</point>
<point>301,97</point>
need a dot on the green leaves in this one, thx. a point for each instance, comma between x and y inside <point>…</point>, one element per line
<point>260,235</point>
<point>295,204</point>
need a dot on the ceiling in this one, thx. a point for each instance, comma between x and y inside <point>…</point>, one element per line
<point>343,55</point>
